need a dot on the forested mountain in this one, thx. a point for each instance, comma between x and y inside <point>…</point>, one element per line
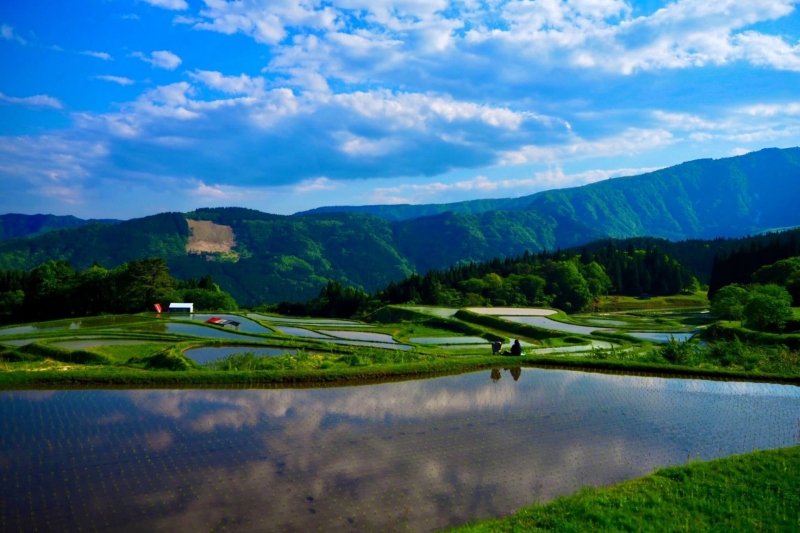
<point>13,225</point>
<point>271,258</point>
<point>704,199</point>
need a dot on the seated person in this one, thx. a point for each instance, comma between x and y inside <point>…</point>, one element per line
<point>497,347</point>
<point>516,348</point>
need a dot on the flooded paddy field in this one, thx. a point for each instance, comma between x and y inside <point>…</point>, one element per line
<point>414,455</point>
<point>245,324</point>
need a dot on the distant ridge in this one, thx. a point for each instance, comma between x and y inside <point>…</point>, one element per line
<point>14,225</point>
<point>274,257</point>
<point>704,198</point>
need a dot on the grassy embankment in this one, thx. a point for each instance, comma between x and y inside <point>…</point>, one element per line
<point>632,303</point>
<point>751,492</point>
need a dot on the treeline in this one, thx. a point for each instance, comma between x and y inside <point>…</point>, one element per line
<point>56,290</point>
<point>740,264</point>
<point>564,280</point>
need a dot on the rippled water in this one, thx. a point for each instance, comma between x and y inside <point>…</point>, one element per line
<point>418,455</point>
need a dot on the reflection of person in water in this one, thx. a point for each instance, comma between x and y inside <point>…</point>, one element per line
<point>496,375</point>
<point>516,372</point>
<point>516,348</point>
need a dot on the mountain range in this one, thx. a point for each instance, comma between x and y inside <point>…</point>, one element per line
<point>261,257</point>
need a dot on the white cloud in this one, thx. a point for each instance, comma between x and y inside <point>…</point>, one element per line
<point>175,5</point>
<point>160,59</point>
<point>631,141</point>
<point>99,55</point>
<point>555,178</point>
<point>241,84</point>
<point>8,33</point>
<point>39,100</point>
<point>121,80</point>
<point>314,185</point>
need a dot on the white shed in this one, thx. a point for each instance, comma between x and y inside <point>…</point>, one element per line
<point>181,308</point>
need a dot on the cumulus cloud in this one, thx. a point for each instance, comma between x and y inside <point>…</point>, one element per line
<point>160,59</point>
<point>39,100</point>
<point>121,80</point>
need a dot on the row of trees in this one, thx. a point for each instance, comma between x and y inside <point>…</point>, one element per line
<point>740,264</point>
<point>56,290</point>
<point>766,303</point>
<point>565,280</point>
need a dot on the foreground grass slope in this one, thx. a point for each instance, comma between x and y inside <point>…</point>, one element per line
<point>752,492</point>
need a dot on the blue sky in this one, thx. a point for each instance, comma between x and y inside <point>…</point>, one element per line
<point>123,108</point>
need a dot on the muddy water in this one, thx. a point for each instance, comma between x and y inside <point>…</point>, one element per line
<point>416,455</point>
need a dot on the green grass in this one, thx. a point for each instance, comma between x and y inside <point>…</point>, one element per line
<point>751,492</point>
<point>631,303</point>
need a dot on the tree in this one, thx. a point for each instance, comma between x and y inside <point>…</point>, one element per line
<point>769,307</point>
<point>729,302</point>
<point>146,280</point>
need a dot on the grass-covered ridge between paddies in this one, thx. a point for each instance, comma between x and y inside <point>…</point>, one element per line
<point>750,492</point>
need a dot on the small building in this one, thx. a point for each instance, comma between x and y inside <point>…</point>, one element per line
<point>181,308</point>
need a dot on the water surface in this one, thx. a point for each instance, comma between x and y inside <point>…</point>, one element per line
<point>544,322</point>
<point>76,323</point>
<point>415,455</point>
<point>660,337</point>
<point>309,321</point>
<point>191,329</point>
<point>245,324</point>
<point>208,354</point>
<point>361,336</point>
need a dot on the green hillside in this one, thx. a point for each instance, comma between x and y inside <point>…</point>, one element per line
<point>15,226</point>
<point>279,258</point>
<point>706,198</point>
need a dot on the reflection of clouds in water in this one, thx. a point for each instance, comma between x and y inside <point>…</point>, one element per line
<point>421,454</point>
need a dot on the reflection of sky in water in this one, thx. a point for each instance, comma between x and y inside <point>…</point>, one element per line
<point>82,344</point>
<point>245,324</point>
<point>544,322</point>
<point>89,322</point>
<point>362,336</point>
<point>310,321</point>
<point>192,329</point>
<point>661,337</point>
<point>420,455</point>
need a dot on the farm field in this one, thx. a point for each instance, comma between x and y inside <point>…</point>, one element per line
<point>484,436</point>
<point>416,455</point>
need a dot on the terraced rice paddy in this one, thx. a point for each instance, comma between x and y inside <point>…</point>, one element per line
<point>245,324</point>
<point>308,321</point>
<point>82,344</point>
<point>195,330</point>
<point>415,455</point>
<point>361,336</point>
<point>661,337</point>
<point>449,340</point>
<point>212,353</point>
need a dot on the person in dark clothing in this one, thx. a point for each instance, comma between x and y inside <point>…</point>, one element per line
<point>516,348</point>
<point>497,347</point>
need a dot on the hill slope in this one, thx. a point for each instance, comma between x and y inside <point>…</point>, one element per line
<point>14,226</point>
<point>267,258</point>
<point>705,198</point>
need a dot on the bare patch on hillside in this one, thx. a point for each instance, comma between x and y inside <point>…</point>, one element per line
<point>209,237</point>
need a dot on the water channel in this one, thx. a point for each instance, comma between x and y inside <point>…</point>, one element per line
<point>418,455</point>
